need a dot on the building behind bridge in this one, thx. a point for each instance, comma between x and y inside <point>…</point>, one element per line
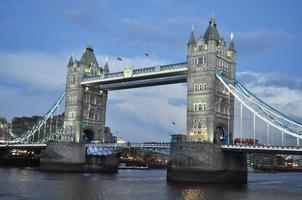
<point>21,125</point>
<point>5,128</point>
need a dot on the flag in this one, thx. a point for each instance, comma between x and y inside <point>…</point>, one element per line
<point>119,59</point>
<point>173,123</point>
<point>146,54</point>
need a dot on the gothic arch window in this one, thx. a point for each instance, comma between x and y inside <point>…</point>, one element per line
<point>216,106</point>
<point>226,108</point>
<point>69,131</point>
<point>205,86</point>
<point>199,125</point>
<point>221,106</point>
<point>91,114</point>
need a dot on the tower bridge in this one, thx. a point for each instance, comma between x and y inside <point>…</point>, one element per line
<point>208,152</point>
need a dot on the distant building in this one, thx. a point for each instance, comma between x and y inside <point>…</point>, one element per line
<point>108,136</point>
<point>5,128</point>
<point>178,138</point>
<point>120,140</point>
<point>21,125</point>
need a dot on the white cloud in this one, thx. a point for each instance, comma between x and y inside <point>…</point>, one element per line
<point>281,91</point>
<point>151,105</point>
<point>34,69</point>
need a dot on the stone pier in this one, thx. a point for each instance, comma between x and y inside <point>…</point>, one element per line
<point>72,157</point>
<point>198,162</point>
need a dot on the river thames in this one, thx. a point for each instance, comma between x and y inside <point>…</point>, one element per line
<point>16,183</point>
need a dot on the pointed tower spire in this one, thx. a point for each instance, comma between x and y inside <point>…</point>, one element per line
<point>232,45</point>
<point>70,62</point>
<point>88,56</point>
<point>106,66</point>
<point>211,32</point>
<point>192,40</point>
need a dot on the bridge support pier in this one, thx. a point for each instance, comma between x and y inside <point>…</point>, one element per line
<point>71,157</point>
<point>205,163</point>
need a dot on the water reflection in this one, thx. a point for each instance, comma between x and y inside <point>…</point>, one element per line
<point>150,184</point>
<point>193,193</point>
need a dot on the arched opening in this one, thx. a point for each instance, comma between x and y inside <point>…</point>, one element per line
<point>219,135</point>
<point>88,135</point>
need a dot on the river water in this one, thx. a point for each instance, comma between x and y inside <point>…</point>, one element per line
<point>16,183</point>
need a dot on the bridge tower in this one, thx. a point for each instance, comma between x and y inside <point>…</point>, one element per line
<point>210,115</point>
<point>210,109</point>
<point>85,106</point>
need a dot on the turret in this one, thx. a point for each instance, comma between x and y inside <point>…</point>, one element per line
<point>106,66</point>
<point>231,53</point>
<point>191,42</point>
<point>71,61</point>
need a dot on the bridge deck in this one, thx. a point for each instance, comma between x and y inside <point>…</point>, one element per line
<point>22,146</point>
<point>263,149</point>
<point>159,75</point>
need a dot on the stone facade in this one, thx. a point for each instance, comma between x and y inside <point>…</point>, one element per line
<point>210,108</point>
<point>85,106</point>
<point>206,163</point>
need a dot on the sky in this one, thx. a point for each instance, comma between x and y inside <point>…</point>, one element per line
<point>38,37</point>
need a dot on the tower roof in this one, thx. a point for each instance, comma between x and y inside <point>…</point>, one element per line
<point>70,62</point>
<point>106,66</point>
<point>211,32</point>
<point>192,38</point>
<point>89,46</point>
<point>232,45</point>
<point>88,56</point>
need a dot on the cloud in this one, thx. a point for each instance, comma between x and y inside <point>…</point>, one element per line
<point>160,32</point>
<point>260,41</point>
<point>281,91</point>
<point>33,70</point>
<point>89,17</point>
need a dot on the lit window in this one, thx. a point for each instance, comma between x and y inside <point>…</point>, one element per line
<point>199,125</point>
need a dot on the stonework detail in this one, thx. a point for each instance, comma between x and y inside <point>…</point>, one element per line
<point>85,106</point>
<point>207,98</point>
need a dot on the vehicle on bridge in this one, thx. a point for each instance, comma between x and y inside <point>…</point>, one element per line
<point>246,141</point>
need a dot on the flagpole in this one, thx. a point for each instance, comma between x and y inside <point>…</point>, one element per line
<point>172,125</point>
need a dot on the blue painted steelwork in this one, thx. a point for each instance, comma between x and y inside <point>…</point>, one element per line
<point>151,76</point>
<point>23,138</point>
<point>113,148</point>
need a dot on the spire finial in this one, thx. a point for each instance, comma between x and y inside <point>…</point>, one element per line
<point>192,27</point>
<point>72,54</point>
<point>232,35</point>
<point>212,15</point>
<point>89,46</point>
<point>106,59</point>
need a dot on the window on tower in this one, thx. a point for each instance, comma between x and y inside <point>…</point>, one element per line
<point>199,106</point>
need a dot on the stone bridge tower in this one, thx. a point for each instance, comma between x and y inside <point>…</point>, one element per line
<point>210,115</point>
<point>210,109</point>
<point>85,106</point>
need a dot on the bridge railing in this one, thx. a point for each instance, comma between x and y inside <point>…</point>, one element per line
<point>142,71</point>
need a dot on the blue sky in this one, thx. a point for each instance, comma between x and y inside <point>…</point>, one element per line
<point>37,38</point>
